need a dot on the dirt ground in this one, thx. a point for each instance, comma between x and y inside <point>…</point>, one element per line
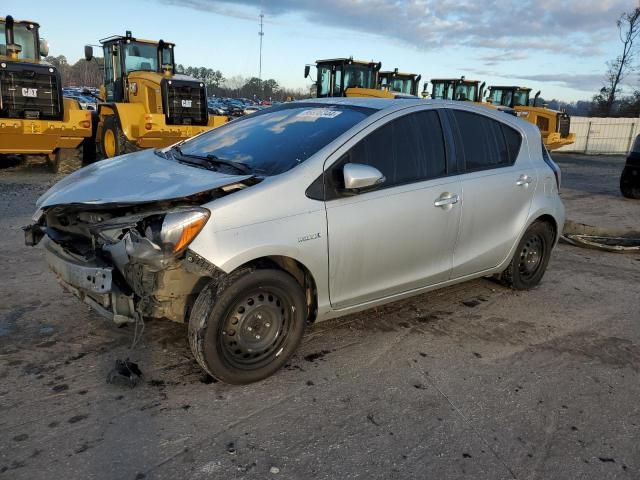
<point>474,381</point>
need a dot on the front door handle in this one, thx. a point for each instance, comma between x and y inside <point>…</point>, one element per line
<point>446,200</point>
<point>524,180</point>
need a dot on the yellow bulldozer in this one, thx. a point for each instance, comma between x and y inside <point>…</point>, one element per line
<point>346,77</point>
<point>553,124</point>
<point>144,102</point>
<point>35,118</point>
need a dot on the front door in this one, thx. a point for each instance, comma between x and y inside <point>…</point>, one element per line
<point>400,236</point>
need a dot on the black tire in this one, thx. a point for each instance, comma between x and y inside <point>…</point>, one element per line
<point>531,257</point>
<point>122,145</point>
<point>244,328</point>
<point>630,183</point>
<point>67,160</point>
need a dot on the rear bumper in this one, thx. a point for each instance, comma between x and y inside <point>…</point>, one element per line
<point>91,283</point>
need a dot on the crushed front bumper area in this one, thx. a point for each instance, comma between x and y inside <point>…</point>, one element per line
<point>90,282</point>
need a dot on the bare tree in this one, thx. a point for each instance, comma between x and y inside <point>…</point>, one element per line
<point>628,30</point>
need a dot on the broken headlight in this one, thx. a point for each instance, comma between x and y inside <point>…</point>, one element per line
<point>179,228</point>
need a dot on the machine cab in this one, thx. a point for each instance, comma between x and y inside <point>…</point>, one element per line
<point>456,89</point>
<point>123,55</point>
<point>335,76</point>
<point>509,96</point>
<point>395,81</point>
<point>20,40</point>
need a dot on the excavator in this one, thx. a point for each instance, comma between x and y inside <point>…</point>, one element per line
<point>553,124</point>
<point>35,119</point>
<point>143,101</point>
<point>346,77</point>
<point>395,81</point>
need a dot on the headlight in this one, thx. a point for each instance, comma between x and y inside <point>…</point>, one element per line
<point>181,227</point>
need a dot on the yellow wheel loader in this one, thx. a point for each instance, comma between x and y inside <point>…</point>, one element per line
<point>346,77</point>
<point>407,83</point>
<point>143,102</point>
<point>553,124</point>
<point>35,119</point>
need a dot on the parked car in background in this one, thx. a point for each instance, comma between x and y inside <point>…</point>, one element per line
<point>86,103</point>
<point>299,213</point>
<point>216,107</point>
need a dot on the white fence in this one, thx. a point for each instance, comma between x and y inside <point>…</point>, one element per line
<point>602,135</point>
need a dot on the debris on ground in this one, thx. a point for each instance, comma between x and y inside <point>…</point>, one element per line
<point>125,373</point>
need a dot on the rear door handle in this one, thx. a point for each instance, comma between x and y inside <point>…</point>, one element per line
<point>524,180</point>
<point>445,200</point>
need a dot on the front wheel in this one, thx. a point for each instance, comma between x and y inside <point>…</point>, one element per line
<point>531,257</point>
<point>244,328</point>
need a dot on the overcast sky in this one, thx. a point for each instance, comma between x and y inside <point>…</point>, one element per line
<point>557,46</point>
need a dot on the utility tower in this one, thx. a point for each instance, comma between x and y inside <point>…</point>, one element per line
<point>260,34</point>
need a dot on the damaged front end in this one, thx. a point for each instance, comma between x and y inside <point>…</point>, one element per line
<point>127,261</point>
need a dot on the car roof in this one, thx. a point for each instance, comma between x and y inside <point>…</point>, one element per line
<point>374,103</point>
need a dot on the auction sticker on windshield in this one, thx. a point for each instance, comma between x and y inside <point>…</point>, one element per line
<point>319,113</point>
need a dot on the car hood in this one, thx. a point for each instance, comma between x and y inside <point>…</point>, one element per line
<point>140,177</point>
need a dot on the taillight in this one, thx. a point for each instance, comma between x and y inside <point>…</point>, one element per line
<point>552,165</point>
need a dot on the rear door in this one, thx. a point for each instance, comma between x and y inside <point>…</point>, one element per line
<point>393,239</point>
<point>498,183</point>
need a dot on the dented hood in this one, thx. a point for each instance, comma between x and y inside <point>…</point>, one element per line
<point>140,177</point>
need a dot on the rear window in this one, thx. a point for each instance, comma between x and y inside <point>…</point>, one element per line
<point>275,140</point>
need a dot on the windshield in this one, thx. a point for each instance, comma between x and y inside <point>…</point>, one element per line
<point>402,85</point>
<point>358,76</point>
<point>521,98</point>
<point>144,56</point>
<point>23,36</point>
<point>439,91</point>
<point>272,141</point>
<point>465,92</point>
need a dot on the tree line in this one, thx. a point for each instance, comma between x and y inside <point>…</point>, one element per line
<point>89,74</point>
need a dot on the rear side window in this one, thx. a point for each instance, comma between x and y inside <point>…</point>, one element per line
<point>485,143</point>
<point>408,149</point>
<point>514,142</point>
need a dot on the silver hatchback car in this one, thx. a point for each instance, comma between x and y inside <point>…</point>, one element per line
<point>300,213</point>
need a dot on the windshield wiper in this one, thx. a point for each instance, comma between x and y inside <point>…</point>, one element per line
<point>211,159</point>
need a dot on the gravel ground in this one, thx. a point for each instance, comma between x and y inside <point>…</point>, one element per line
<point>473,381</point>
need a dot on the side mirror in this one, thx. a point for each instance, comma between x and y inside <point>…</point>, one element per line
<point>44,47</point>
<point>358,176</point>
<point>88,52</point>
<point>307,70</point>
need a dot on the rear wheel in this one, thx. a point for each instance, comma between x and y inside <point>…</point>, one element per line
<point>531,257</point>
<point>67,160</point>
<point>630,183</point>
<point>114,142</point>
<point>246,327</point>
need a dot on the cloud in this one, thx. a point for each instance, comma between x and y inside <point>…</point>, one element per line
<point>568,27</point>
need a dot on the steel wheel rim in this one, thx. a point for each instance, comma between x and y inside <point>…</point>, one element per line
<point>531,256</point>
<point>109,144</point>
<point>255,328</point>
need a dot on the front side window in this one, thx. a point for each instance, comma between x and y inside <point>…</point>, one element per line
<point>275,140</point>
<point>406,150</point>
<point>485,142</point>
<point>324,81</point>
<point>23,36</point>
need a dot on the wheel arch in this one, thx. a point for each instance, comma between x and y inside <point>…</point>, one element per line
<point>297,270</point>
